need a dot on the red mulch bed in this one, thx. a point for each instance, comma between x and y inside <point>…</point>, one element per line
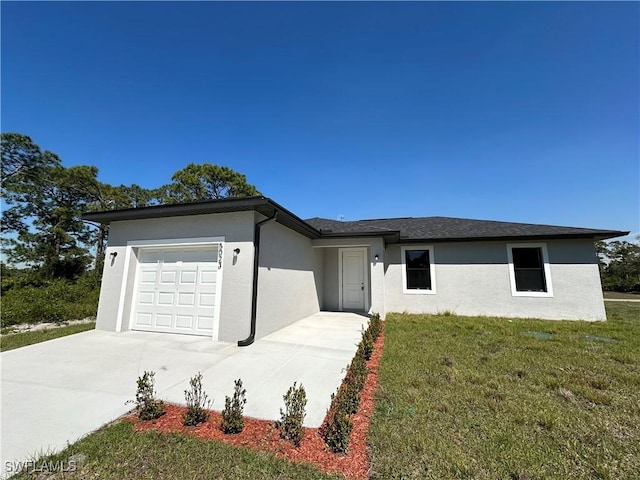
<point>264,436</point>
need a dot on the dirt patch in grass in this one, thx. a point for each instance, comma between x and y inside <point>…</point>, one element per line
<point>262,435</point>
<point>36,327</point>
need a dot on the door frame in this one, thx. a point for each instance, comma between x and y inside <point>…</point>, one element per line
<point>131,255</point>
<point>365,275</point>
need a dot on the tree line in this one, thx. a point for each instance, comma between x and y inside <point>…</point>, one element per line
<point>619,265</point>
<point>43,201</point>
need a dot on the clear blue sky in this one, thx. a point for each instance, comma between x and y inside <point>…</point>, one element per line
<point>522,112</point>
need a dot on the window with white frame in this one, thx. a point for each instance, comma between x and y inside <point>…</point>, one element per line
<point>529,270</point>
<point>418,270</point>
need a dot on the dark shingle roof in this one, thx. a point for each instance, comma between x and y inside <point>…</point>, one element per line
<point>391,229</point>
<point>446,228</point>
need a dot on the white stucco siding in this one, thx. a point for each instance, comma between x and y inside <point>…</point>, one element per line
<point>237,230</point>
<point>472,278</point>
<point>290,278</point>
<point>109,302</point>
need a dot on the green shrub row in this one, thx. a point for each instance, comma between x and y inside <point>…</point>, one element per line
<point>290,425</point>
<point>54,301</point>
<point>336,430</point>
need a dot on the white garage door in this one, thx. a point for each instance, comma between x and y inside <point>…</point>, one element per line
<point>176,290</point>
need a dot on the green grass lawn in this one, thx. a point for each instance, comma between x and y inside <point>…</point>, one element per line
<point>117,452</point>
<point>622,295</point>
<point>17,340</point>
<point>488,398</point>
<point>480,398</point>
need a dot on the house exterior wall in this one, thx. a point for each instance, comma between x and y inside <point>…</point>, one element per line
<point>237,230</point>
<point>472,278</point>
<point>290,278</point>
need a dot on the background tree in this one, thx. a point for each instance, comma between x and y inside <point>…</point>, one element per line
<point>20,156</point>
<point>206,182</point>
<point>44,215</point>
<point>619,265</point>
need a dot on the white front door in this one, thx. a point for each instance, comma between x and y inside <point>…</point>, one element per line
<point>176,290</point>
<point>354,285</point>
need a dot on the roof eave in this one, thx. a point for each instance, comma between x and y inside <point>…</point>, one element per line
<point>262,205</point>
<point>566,236</point>
<point>390,236</point>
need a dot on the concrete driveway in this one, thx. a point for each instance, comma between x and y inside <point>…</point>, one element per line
<point>60,390</point>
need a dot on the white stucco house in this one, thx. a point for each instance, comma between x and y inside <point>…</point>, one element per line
<point>238,269</point>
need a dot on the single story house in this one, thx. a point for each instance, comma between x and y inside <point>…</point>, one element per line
<point>238,269</point>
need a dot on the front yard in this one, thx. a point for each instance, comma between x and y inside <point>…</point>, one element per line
<point>480,398</point>
<point>523,399</point>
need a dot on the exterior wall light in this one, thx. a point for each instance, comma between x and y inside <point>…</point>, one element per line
<point>236,251</point>
<point>376,257</point>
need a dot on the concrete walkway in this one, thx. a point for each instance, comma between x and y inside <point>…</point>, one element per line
<point>622,300</point>
<point>60,390</point>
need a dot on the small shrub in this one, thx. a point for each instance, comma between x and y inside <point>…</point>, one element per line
<point>232,418</point>
<point>348,398</point>
<point>375,326</point>
<point>357,373</point>
<point>147,405</point>
<point>197,403</point>
<point>336,431</point>
<point>292,417</point>
<point>367,343</point>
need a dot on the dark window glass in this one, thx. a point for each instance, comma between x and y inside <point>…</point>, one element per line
<point>418,273</point>
<point>529,270</point>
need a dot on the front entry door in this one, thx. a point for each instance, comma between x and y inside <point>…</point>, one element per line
<point>354,285</point>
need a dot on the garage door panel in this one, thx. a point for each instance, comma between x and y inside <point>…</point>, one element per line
<point>148,277</point>
<point>184,321</point>
<point>177,290</point>
<point>166,298</point>
<point>186,299</point>
<point>168,277</point>
<point>208,276</point>
<point>144,319</point>
<point>188,277</point>
<point>163,320</point>
<point>206,300</point>
<point>205,322</point>
<point>145,298</point>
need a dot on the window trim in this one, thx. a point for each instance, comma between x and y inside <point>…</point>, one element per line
<point>432,270</point>
<point>546,269</point>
